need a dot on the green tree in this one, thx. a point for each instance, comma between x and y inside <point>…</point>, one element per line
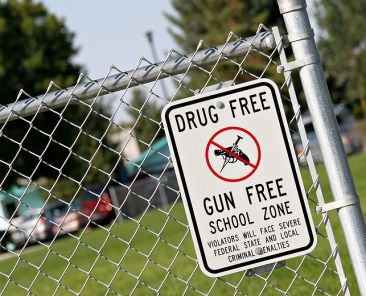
<point>343,45</point>
<point>36,48</point>
<point>212,20</point>
<point>145,118</point>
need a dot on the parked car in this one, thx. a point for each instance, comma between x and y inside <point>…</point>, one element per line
<point>62,218</point>
<point>31,224</point>
<point>97,204</point>
<point>46,223</point>
<point>9,201</point>
<point>351,138</point>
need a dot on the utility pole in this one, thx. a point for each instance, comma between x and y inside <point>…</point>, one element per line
<point>150,39</point>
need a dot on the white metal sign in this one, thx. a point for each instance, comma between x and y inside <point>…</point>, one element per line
<point>239,177</point>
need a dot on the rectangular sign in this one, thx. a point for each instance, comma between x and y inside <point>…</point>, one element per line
<point>239,178</point>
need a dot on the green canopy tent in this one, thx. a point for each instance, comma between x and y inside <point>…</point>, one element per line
<point>153,159</point>
<point>31,198</point>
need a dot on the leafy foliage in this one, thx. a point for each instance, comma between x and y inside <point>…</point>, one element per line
<point>212,20</point>
<point>145,117</point>
<point>343,44</point>
<point>38,48</point>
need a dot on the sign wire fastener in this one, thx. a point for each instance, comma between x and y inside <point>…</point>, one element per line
<point>337,204</point>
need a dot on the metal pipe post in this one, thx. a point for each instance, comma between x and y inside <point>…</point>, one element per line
<point>301,36</point>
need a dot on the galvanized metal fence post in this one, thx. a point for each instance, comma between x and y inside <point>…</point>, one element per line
<point>300,35</point>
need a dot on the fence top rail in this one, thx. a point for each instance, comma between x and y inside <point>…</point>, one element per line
<point>174,64</point>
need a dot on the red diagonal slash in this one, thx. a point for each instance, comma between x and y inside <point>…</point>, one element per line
<point>233,154</point>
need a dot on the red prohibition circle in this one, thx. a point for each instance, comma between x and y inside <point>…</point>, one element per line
<point>254,167</point>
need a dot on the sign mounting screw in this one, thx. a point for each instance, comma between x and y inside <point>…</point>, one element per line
<point>259,251</point>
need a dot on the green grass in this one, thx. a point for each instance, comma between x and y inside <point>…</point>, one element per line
<point>163,253</point>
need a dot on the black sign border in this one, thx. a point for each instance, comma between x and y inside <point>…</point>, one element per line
<point>186,194</point>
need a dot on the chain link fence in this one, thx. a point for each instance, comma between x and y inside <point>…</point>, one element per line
<point>124,235</point>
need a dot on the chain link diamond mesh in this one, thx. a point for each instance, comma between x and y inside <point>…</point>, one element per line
<point>144,246</point>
